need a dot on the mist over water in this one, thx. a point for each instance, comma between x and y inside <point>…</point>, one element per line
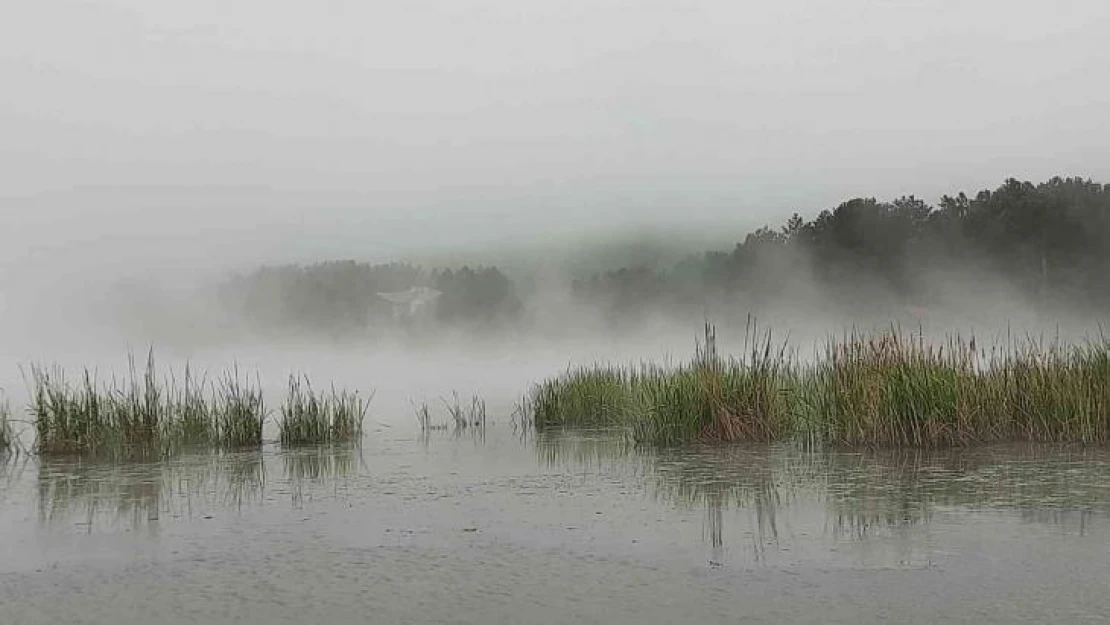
<point>231,184</point>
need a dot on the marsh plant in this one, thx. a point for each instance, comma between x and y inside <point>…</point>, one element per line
<point>238,411</point>
<point>465,416</point>
<point>599,395</point>
<point>716,398</point>
<point>708,398</point>
<point>424,416</point>
<point>123,417</point>
<point>139,416</point>
<point>311,417</point>
<point>897,390</point>
<point>468,419</point>
<point>462,414</point>
<point>7,433</point>
<point>888,390</point>
<point>193,423</point>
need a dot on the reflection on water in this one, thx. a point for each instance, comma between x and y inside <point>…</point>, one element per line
<point>1056,485</point>
<point>582,450</point>
<point>320,463</point>
<point>106,495</point>
<point>860,496</point>
<point>320,466</point>
<point>418,528</point>
<point>757,500</point>
<point>129,495</point>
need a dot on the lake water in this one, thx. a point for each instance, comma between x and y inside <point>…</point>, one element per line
<point>496,526</point>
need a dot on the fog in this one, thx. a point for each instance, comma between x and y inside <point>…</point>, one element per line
<point>166,145</point>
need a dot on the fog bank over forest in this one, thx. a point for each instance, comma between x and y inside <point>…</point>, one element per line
<point>1019,258</point>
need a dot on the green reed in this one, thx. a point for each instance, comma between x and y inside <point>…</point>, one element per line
<point>116,418</point>
<point>895,391</point>
<point>7,433</point>
<point>708,398</point>
<point>238,411</point>
<point>889,390</point>
<point>140,416</point>
<point>311,417</point>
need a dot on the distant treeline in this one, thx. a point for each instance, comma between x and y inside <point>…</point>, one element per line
<point>342,296</point>
<point>1047,242</point>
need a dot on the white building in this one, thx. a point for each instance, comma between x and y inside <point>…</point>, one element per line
<point>412,303</point>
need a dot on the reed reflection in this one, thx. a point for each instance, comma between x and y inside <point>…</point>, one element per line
<point>849,496</point>
<point>323,466</point>
<point>107,495</point>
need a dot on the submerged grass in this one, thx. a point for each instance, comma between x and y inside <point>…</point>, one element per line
<point>308,417</point>
<point>889,390</point>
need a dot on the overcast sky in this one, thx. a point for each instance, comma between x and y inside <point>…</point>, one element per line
<point>170,132</point>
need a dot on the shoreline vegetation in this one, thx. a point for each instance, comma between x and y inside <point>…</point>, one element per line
<point>885,390</point>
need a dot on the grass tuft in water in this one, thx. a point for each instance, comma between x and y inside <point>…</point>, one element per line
<point>466,416</point>
<point>308,417</point>
<point>238,412</point>
<point>423,416</point>
<point>600,395</point>
<point>119,419</point>
<point>7,433</point>
<point>887,390</point>
<point>713,398</point>
<point>193,423</point>
<point>463,415</point>
<point>709,398</point>
<point>138,416</point>
<point>897,391</point>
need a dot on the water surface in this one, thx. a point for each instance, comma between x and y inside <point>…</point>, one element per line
<point>496,527</point>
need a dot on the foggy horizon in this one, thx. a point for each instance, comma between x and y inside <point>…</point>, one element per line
<point>165,147</point>
<point>226,135</point>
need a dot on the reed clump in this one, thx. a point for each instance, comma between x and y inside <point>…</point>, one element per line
<point>898,391</point>
<point>118,417</point>
<point>311,417</point>
<point>193,422</point>
<point>7,432</point>
<point>140,416</point>
<point>463,416</point>
<point>713,398</point>
<point>709,398</point>
<point>238,412</point>
<point>891,390</point>
<point>887,390</point>
<point>584,396</point>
